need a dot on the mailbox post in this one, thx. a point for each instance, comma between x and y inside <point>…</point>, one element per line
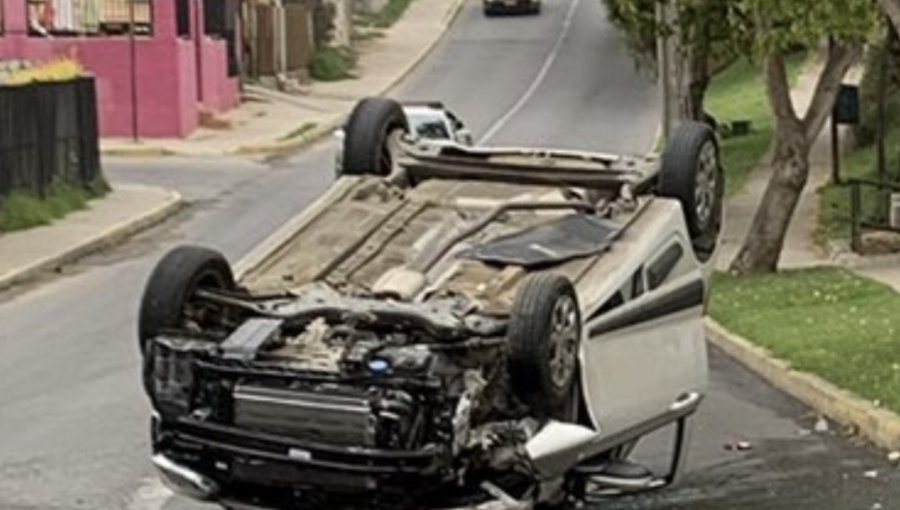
<point>846,111</point>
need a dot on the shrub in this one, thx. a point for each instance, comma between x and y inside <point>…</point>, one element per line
<point>332,64</point>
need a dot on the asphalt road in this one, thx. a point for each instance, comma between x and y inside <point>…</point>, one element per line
<point>73,420</point>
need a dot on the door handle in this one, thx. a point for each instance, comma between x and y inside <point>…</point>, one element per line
<point>685,401</point>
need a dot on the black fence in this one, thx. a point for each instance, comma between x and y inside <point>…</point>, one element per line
<point>48,136</point>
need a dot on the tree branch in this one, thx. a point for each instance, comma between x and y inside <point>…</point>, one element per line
<point>839,61</point>
<point>779,90</point>
<point>892,9</point>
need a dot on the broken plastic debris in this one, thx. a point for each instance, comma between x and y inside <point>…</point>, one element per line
<point>877,506</point>
<point>821,426</point>
<point>872,474</point>
<point>739,446</point>
<point>894,457</point>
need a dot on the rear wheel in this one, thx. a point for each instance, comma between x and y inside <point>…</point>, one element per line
<point>544,338</point>
<point>691,172</point>
<point>371,137</point>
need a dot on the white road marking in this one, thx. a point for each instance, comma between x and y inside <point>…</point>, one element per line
<point>542,74</point>
<point>150,495</point>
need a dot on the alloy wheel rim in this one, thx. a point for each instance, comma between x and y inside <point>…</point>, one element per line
<point>706,183</point>
<point>563,341</point>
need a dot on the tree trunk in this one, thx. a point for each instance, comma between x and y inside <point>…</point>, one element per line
<point>698,79</point>
<point>790,160</point>
<point>892,9</point>
<point>696,64</point>
<point>790,169</point>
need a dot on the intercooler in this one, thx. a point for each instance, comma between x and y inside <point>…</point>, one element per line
<point>317,417</point>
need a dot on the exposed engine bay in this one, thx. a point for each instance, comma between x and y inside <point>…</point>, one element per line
<point>441,399</point>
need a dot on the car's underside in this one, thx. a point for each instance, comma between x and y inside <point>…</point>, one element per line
<point>454,333</point>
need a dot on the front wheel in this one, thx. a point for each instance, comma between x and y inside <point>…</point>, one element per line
<point>544,338</point>
<point>691,173</point>
<point>168,303</point>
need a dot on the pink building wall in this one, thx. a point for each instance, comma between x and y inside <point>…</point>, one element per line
<point>169,99</point>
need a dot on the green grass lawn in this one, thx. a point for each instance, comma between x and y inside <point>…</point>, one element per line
<point>834,202</point>
<point>738,93</point>
<point>826,321</point>
<point>20,211</point>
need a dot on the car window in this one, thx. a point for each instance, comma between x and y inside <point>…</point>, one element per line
<point>662,267</point>
<point>428,125</point>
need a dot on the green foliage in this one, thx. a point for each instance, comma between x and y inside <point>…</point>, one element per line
<point>865,132</point>
<point>700,22</point>
<point>827,321</point>
<point>752,28</point>
<point>332,64</point>
<point>387,16</point>
<point>775,26</point>
<point>20,210</point>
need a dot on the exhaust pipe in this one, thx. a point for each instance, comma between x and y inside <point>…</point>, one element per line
<point>184,481</point>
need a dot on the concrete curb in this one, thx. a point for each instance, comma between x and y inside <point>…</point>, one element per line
<point>281,147</point>
<point>880,426</point>
<point>110,237</point>
<point>139,151</point>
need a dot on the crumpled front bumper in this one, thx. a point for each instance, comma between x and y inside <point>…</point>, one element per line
<point>212,462</point>
<point>185,481</point>
<point>192,484</point>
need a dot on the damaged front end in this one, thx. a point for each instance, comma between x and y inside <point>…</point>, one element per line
<point>319,400</point>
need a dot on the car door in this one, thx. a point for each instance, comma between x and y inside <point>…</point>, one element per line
<point>644,351</point>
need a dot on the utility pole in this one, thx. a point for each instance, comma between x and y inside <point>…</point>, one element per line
<point>133,50</point>
<point>666,60</point>
<point>662,60</point>
<point>835,137</point>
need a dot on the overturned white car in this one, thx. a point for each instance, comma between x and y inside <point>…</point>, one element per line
<point>446,327</point>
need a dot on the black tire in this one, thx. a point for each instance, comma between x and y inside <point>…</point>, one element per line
<point>174,280</point>
<point>366,136</point>
<point>532,346</point>
<point>690,161</point>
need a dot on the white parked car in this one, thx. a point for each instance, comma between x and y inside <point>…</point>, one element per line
<point>425,121</point>
<point>446,327</point>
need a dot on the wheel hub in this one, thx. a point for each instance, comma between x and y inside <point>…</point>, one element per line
<point>706,184</point>
<point>563,341</point>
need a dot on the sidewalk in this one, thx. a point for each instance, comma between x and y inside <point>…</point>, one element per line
<point>271,122</point>
<point>125,211</point>
<point>799,249</point>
